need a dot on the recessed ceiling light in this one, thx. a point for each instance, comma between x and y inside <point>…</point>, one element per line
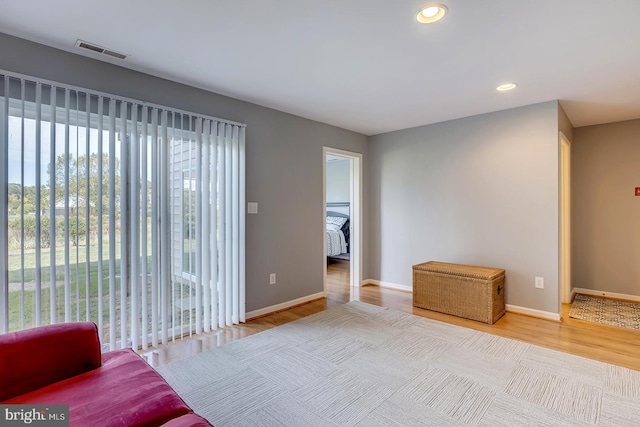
<point>431,13</point>
<point>506,86</point>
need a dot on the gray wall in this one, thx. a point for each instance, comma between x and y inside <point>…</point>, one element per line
<point>338,172</point>
<point>480,190</point>
<point>564,124</point>
<point>606,214</point>
<point>284,164</point>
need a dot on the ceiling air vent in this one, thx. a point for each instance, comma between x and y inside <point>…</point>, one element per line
<point>99,49</point>
<point>115,54</point>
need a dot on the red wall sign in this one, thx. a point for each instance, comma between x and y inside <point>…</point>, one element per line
<point>637,191</point>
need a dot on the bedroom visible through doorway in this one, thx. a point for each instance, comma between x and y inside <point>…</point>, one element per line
<point>342,218</point>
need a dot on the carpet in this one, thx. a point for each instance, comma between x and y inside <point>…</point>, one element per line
<point>609,312</point>
<point>364,365</point>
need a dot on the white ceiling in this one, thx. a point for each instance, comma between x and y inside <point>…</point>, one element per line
<point>366,65</point>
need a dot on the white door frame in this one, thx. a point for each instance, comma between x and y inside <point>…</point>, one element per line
<point>355,210</point>
<point>565,220</point>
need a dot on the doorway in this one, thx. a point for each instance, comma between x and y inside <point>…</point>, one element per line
<point>565,219</point>
<point>351,206</point>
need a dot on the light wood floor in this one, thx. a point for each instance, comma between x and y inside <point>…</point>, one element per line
<point>609,344</point>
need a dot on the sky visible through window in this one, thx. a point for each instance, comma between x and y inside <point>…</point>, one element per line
<point>77,147</point>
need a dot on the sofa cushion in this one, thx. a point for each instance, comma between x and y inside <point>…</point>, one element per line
<point>125,391</point>
<point>37,357</point>
<point>188,420</point>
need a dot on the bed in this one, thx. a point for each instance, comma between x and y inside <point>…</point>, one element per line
<point>337,231</point>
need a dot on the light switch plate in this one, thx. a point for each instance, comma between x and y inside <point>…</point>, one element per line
<point>252,207</point>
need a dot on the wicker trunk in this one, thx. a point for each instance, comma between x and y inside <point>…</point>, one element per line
<point>475,293</point>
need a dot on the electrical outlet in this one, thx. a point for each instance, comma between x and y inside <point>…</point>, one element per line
<point>539,282</point>
<point>272,279</point>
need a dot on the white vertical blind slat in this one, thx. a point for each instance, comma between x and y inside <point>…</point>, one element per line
<point>87,203</point>
<point>124,269</point>
<point>206,237</point>
<point>155,255</point>
<point>99,220</point>
<point>193,267</point>
<point>222,259</point>
<point>134,209</point>
<point>184,232</point>
<point>4,217</point>
<point>75,228</point>
<point>213,241</point>
<point>52,207</point>
<point>172,136</point>
<point>228,231</point>
<point>67,158</point>
<point>22,185</point>
<point>164,230</point>
<point>145,228</point>
<point>235,229</point>
<point>199,231</point>
<point>242,218</point>
<point>38,204</point>
<point>112,225</point>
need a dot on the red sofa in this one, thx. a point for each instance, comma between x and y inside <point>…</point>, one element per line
<point>62,364</point>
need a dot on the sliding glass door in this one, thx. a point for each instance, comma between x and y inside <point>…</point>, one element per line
<point>126,214</point>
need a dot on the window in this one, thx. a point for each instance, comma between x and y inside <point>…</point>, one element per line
<point>127,214</point>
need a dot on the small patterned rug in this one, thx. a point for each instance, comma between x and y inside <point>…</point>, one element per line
<point>609,312</point>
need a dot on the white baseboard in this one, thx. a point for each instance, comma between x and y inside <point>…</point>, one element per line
<point>284,305</point>
<point>509,307</point>
<point>389,285</point>
<point>533,312</point>
<point>596,293</point>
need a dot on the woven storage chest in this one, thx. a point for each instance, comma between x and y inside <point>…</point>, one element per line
<point>475,293</point>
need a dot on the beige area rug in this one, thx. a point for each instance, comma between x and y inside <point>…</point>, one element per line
<point>609,312</point>
<point>363,365</point>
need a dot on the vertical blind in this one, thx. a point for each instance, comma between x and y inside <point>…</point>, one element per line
<point>119,212</point>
